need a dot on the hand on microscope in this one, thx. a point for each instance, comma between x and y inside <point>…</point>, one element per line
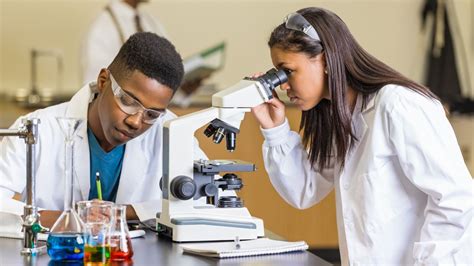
<point>270,114</point>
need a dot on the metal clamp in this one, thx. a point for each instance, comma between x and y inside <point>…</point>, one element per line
<point>31,224</point>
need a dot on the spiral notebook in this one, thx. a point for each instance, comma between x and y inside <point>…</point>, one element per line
<point>261,246</point>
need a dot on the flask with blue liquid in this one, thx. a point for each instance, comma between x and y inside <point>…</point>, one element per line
<point>66,240</point>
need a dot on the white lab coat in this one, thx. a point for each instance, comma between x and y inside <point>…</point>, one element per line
<point>102,42</point>
<point>141,169</point>
<point>405,195</point>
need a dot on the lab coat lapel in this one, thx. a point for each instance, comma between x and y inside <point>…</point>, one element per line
<point>78,108</point>
<point>359,122</point>
<point>134,165</point>
<point>82,164</point>
<point>364,114</point>
<point>359,128</point>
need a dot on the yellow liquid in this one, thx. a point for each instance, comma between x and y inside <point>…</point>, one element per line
<point>94,256</point>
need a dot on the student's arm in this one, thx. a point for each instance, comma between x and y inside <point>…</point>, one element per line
<point>430,157</point>
<point>12,172</point>
<point>286,160</point>
<point>290,171</point>
<point>131,214</point>
<point>48,218</point>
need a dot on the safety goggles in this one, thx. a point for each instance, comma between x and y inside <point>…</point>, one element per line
<point>295,21</point>
<point>131,106</point>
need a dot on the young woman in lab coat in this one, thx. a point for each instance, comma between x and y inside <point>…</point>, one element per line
<point>403,192</point>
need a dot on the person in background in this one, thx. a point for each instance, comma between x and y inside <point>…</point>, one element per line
<point>404,195</point>
<point>109,31</point>
<point>121,137</point>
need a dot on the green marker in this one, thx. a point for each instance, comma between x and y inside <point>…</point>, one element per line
<point>99,187</point>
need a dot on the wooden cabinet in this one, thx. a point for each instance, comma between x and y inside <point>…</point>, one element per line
<point>316,225</point>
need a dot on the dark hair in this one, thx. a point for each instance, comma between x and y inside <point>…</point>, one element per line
<point>152,55</point>
<point>327,126</point>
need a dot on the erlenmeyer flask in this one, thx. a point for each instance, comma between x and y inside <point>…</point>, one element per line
<point>120,242</point>
<point>65,240</point>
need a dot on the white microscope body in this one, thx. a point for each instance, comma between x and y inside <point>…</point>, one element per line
<point>180,219</point>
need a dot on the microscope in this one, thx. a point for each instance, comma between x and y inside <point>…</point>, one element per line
<point>185,180</point>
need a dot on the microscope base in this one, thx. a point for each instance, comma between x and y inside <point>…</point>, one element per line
<point>197,229</point>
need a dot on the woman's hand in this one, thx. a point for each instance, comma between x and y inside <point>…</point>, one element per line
<point>270,114</point>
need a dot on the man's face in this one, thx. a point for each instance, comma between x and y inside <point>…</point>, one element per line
<point>118,126</point>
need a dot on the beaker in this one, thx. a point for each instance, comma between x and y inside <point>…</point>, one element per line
<point>120,242</point>
<point>97,243</point>
<point>91,211</point>
<point>98,217</point>
<point>65,240</point>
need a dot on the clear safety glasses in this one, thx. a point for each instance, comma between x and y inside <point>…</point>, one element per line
<point>295,21</point>
<point>131,106</point>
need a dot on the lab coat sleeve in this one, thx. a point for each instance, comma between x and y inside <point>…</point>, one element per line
<point>430,157</point>
<point>12,167</point>
<point>12,180</point>
<point>290,171</point>
<point>147,210</point>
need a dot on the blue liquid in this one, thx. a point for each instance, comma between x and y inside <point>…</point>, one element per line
<point>65,246</point>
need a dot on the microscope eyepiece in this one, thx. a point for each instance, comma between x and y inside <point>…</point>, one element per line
<point>272,79</point>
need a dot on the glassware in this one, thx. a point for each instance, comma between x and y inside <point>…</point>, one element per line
<point>65,240</point>
<point>120,242</point>
<point>95,211</point>
<point>98,217</point>
<point>97,243</point>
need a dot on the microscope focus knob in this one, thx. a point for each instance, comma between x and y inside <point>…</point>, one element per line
<point>183,187</point>
<point>210,190</point>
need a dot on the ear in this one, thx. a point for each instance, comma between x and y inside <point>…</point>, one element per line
<point>323,58</point>
<point>103,80</point>
<point>319,58</point>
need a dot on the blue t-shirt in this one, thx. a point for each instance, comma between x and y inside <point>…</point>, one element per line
<point>109,166</point>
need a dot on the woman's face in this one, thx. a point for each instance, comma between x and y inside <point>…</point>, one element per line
<point>307,83</point>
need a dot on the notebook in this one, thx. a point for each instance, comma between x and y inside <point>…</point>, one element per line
<point>10,225</point>
<point>261,246</point>
<point>203,64</point>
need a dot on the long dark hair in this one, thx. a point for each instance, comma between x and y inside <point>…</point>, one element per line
<point>327,127</point>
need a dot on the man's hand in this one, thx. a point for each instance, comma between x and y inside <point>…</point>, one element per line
<point>48,218</point>
<point>131,214</point>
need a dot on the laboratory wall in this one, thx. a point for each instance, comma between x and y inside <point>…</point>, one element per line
<point>388,29</point>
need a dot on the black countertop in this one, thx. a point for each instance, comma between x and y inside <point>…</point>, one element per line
<point>152,250</point>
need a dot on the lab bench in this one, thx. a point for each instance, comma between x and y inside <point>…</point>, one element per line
<point>153,250</point>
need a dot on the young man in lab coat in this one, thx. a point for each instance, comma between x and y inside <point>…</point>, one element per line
<point>121,136</point>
